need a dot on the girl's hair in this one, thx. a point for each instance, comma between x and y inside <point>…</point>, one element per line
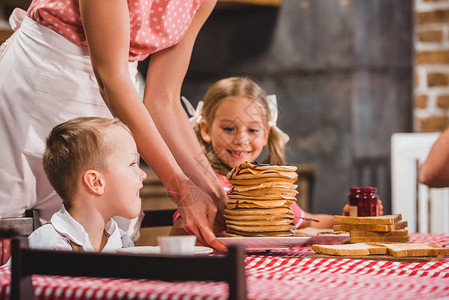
<point>75,146</point>
<point>238,87</point>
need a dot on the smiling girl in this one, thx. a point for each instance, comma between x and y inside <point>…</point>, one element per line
<point>233,125</point>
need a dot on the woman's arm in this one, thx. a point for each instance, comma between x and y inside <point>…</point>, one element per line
<point>165,75</point>
<point>434,172</point>
<point>106,25</point>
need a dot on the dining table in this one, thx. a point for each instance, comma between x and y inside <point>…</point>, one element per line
<point>292,273</point>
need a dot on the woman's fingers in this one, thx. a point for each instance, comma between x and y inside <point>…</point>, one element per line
<point>204,234</point>
<point>199,216</point>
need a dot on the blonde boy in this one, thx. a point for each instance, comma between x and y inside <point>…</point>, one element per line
<point>92,163</point>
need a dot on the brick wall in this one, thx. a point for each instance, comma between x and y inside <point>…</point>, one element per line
<point>431,43</point>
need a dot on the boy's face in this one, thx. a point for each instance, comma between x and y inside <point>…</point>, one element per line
<point>123,178</point>
<point>238,131</point>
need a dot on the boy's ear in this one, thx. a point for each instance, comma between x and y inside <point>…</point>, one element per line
<point>205,131</point>
<point>94,181</point>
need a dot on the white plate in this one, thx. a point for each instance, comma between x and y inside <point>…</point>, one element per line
<point>265,243</point>
<point>325,239</point>
<point>157,250</point>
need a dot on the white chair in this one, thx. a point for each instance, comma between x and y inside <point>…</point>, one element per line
<point>426,209</point>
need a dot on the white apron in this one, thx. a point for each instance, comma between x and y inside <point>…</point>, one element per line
<point>44,80</point>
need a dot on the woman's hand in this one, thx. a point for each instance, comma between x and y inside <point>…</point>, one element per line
<point>197,210</point>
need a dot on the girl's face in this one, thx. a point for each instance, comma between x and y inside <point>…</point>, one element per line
<point>238,132</point>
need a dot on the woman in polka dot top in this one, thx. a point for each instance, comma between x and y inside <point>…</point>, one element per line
<point>70,58</point>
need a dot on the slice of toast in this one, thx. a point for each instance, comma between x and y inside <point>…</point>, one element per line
<point>350,249</point>
<point>378,239</point>
<point>378,220</point>
<point>411,249</point>
<point>316,231</point>
<point>364,233</point>
<point>371,227</point>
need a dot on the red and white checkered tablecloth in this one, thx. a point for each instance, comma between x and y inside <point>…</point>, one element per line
<point>286,274</point>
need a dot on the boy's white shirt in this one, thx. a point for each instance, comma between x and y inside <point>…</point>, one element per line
<point>63,228</point>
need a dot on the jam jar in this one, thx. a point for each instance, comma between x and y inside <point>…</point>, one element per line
<point>363,201</point>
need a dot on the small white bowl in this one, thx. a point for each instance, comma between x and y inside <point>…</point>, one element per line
<point>182,244</point>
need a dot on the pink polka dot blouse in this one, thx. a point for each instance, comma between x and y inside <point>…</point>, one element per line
<point>154,24</point>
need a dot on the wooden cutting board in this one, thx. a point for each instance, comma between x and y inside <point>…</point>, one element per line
<point>381,257</point>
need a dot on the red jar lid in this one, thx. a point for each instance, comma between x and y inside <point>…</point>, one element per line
<point>354,189</point>
<point>362,189</point>
<point>369,189</point>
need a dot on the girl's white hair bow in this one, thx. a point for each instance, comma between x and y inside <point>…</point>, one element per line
<point>195,113</point>
<point>273,110</point>
<point>273,117</point>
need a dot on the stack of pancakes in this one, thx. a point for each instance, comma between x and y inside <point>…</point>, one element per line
<point>260,199</point>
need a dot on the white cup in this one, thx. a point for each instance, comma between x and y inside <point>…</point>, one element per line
<point>182,244</point>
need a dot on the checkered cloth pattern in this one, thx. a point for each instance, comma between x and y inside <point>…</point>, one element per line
<point>283,274</point>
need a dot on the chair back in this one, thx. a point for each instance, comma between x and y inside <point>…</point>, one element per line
<point>21,225</point>
<point>26,262</point>
<point>306,181</point>
<point>426,209</point>
<point>157,217</point>
<point>9,227</point>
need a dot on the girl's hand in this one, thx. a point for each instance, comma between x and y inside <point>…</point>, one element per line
<point>346,210</point>
<point>379,208</point>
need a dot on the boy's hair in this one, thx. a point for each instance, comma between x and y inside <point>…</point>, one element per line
<point>75,146</point>
<point>238,87</point>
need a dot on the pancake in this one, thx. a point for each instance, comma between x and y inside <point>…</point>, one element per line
<point>256,223</point>
<point>259,175</point>
<point>249,234</point>
<point>285,217</point>
<point>264,228</point>
<point>262,167</point>
<point>257,181</point>
<point>252,171</point>
<point>266,194</point>
<point>262,197</point>
<point>260,203</point>
<point>252,206</point>
<point>275,185</point>
<point>262,212</point>
<point>233,233</point>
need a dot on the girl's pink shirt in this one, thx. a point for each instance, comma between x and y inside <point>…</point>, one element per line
<point>154,24</point>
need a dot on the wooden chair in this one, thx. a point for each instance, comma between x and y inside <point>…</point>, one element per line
<point>19,226</point>
<point>157,217</point>
<point>306,181</point>
<point>27,261</point>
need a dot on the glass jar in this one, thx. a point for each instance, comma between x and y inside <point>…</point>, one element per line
<point>363,201</point>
